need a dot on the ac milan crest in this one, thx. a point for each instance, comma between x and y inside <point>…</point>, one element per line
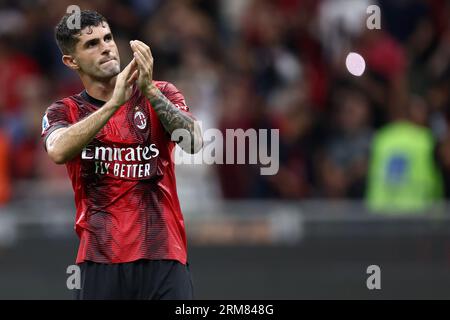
<point>140,120</point>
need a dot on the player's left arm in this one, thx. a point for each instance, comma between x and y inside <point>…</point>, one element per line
<point>171,117</point>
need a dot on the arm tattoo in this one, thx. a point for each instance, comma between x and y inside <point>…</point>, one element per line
<point>173,118</point>
<point>170,116</point>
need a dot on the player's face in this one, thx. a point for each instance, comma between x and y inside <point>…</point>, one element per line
<point>96,52</point>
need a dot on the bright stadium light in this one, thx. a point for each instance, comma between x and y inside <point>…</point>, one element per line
<point>355,64</point>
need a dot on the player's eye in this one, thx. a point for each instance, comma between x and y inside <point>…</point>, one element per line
<point>108,38</point>
<point>91,44</point>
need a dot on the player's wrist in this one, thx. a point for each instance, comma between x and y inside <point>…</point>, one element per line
<point>113,104</point>
<point>150,91</point>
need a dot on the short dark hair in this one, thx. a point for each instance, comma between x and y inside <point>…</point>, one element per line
<point>67,37</point>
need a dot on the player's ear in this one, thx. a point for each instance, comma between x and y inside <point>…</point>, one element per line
<point>70,61</point>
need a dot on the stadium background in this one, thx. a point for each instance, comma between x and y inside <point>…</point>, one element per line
<point>307,232</point>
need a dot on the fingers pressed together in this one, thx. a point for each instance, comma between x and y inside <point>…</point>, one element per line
<point>142,53</point>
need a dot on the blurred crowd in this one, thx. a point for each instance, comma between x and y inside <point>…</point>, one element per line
<point>260,64</point>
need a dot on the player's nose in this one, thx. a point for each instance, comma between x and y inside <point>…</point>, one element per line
<point>106,51</point>
<point>106,48</point>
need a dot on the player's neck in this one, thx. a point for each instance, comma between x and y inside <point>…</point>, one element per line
<point>100,90</point>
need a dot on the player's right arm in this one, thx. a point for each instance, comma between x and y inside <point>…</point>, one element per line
<point>63,144</point>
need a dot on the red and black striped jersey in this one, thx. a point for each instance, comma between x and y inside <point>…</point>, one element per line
<point>126,200</point>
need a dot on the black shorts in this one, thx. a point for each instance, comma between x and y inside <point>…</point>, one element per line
<point>141,279</point>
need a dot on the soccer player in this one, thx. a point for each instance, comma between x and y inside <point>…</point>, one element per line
<point>115,140</point>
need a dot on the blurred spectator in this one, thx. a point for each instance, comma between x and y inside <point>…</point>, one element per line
<point>339,22</point>
<point>403,174</point>
<point>343,164</point>
<point>237,113</point>
<point>401,18</point>
<point>5,179</point>
<point>439,98</point>
<point>15,67</point>
<point>295,119</point>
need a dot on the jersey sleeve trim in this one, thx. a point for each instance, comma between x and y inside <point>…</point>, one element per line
<point>50,131</point>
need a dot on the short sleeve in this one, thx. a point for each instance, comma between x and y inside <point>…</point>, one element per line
<point>56,116</point>
<point>176,97</point>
